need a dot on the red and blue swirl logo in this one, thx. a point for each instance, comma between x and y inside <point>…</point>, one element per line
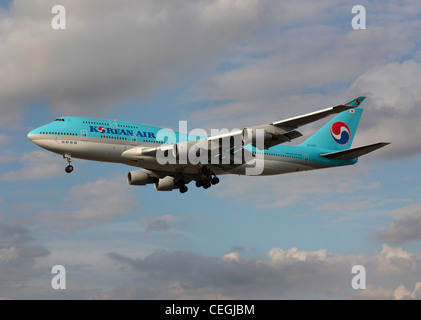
<point>101,129</point>
<point>340,132</point>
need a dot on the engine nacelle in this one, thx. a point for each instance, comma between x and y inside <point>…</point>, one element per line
<point>249,136</point>
<point>165,184</point>
<point>141,177</point>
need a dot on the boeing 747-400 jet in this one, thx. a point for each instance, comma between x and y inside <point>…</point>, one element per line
<point>170,160</point>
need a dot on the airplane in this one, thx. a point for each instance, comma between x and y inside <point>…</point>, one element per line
<point>237,152</point>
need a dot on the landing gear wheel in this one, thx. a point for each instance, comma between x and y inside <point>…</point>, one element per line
<point>183,189</point>
<point>208,178</point>
<point>69,167</point>
<point>215,180</point>
<point>207,184</point>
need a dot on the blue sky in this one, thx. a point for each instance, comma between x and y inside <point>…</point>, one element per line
<point>217,64</point>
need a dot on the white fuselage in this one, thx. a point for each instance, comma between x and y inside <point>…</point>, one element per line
<point>110,150</point>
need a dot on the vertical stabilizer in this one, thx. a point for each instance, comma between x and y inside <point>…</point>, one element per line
<point>338,133</point>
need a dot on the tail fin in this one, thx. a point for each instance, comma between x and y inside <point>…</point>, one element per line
<point>338,134</point>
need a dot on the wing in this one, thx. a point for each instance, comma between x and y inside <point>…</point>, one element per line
<point>284,131</point>
<point>299,121</point>
<point>226,148</point>
<point>229,144</point>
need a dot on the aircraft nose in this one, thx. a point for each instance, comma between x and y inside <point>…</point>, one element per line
<point>32,135</point>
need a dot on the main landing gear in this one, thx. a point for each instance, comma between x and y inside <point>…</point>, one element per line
<point>208,178</point>
<point>181,186</point>
<point>69,168</point>
<point>183,189</point>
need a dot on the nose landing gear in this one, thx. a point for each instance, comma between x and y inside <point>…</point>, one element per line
<point>69,168</point>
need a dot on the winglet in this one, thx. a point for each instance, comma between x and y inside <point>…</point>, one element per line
<point>355,102</point>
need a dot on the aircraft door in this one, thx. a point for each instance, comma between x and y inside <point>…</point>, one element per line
<point>133,138</point>
<point>84,134</point>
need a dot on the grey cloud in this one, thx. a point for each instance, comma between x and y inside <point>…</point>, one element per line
<point>166,225</point>
<point>181,274</point>
<point>35,165</point>
<point>300,63</point>
<point>89,204</point>
<point>158,225</point>
<point>18,259</point>
<point>405,228</point>
<point>313,186</point>
<point>163,223</point>
<point>316,65</point>
<point>238,249</point>
<point>285,274</point>
<point>111,53</point>
<point>13,233</point>
<point>402,230</point>
<point>393,107</point>
<point>4,139</point>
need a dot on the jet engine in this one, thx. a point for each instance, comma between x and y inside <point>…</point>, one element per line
<point>165,184</point>
<point>141,177</point>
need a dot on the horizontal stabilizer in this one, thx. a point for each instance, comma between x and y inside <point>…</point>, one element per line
<point>355,152</point>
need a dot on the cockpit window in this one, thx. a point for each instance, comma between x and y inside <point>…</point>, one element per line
<point>59,119</point>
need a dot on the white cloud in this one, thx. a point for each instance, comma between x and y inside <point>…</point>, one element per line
<point>90,204</point>
<point>286,190</point>
<point>375,292</point>
<point>110,54</point>
<point>395,260</point>
<point>321,64</point>
<point>232,256</point>
<point>36,165</point>
<point>301,63</point>
<point>8,254</point>
<point>392,107</point>
<point>279,257</point>
<point>284,59</point>
<point>402,292</point>
<point>392,85</point>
